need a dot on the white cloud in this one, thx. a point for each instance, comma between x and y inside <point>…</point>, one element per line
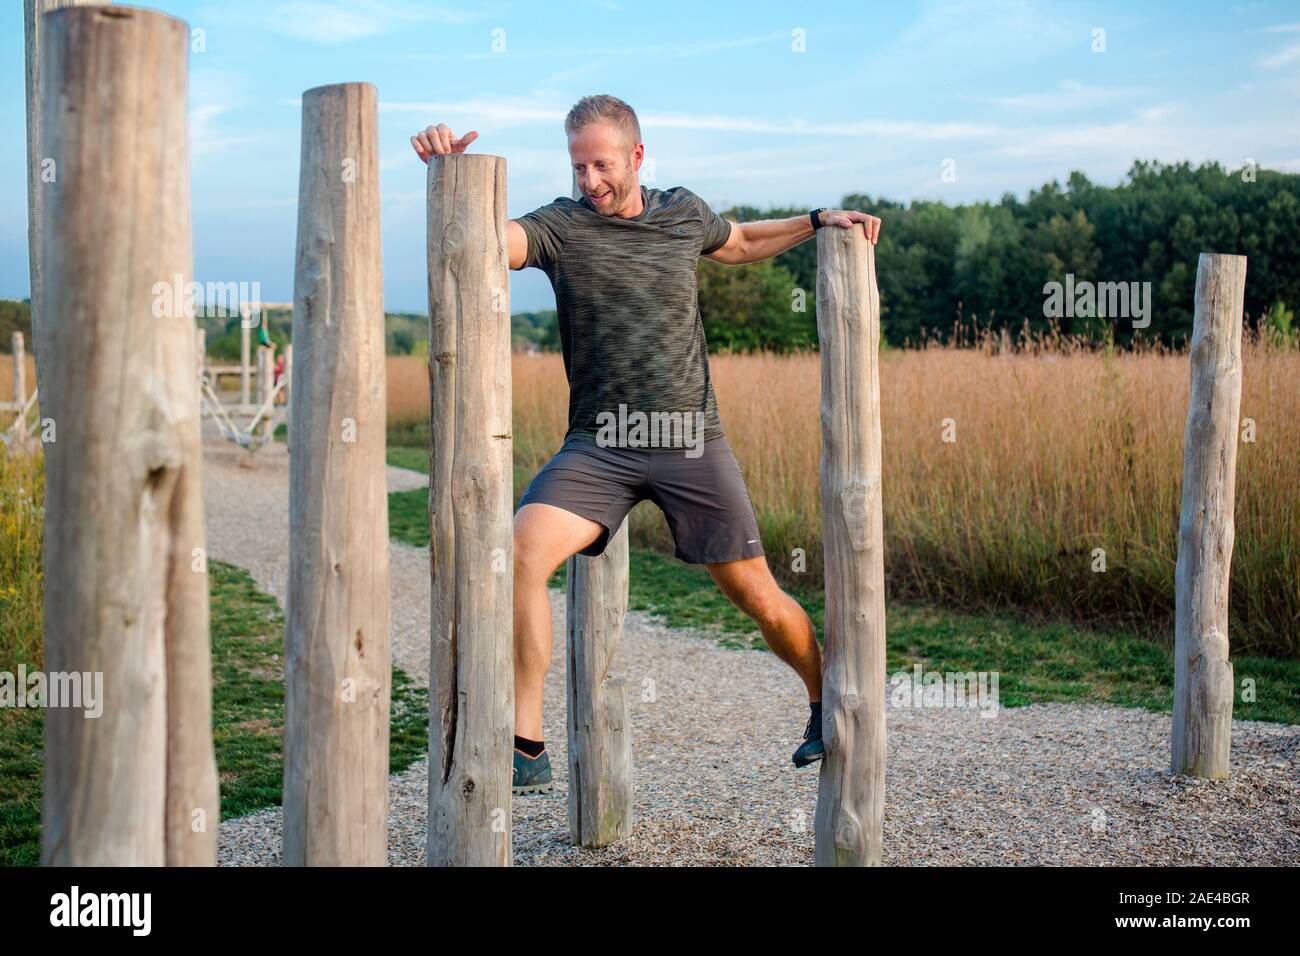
<point>331,22</point>
<point>562,77</point>
<point>1153,114</point>
<point>214,94</point>
<point>997,30</point>
<point>520,112</point>
<point>1282,57</point>
<point>902,129</point>
<point>1069,95</point>
<point>502,111</point>
<point>1084,146</point>
<point>624,53</point>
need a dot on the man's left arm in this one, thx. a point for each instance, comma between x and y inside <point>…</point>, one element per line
<point>755,241</point>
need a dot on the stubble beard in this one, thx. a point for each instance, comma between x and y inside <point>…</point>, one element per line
<point>615,203</point>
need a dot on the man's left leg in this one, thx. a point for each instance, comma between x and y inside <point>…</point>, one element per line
<point>784,624</point>
<point>712,520</point>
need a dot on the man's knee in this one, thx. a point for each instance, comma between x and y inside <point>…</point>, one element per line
<point>545,537</point>
<point>529,564</point>
<point>763,604</point>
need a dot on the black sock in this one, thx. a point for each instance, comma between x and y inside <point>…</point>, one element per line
<point>815,706</point>
<point>530,747</point>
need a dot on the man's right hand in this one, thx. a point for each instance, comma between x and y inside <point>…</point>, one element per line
<point>439,141</point>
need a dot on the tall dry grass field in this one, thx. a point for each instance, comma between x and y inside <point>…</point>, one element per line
<point>1057,465</point>
<point>408,392</point>
<point>1062,462</point>
<point>7,376</point>
<point>22,497</point>
<point>22,493</point>
<point>541,407</point>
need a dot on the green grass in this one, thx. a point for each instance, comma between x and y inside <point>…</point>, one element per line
<point>411,434</point>
<point>1036,661</point>
<point>22,741</point>
<point>248,719</point>
<point>248,696</point>
<point>416,459</point>
<point>408,516</point>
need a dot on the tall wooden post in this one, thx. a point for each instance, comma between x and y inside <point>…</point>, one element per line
<point>600,740</point>
<point>286,396</point>
<point>200,352</point>
<point>245,346</point>
<point>851,790</point>
<point>265,373</point>
<point>20,369</point>
<point>338,667</point>
<point>126,588</point>
<point>19,356</point>
<point>39,173</point>
<point>471,492</point>
<point>1203,682</point>
<point>599,728</point>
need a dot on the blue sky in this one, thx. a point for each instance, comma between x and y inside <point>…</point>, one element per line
<point>882,94</point>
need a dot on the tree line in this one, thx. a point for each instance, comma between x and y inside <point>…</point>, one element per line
<point>987,264</point>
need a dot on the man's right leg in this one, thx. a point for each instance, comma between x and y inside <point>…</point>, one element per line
<point>544,537</point>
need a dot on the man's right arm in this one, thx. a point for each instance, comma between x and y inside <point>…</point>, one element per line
<point>439,140</point>
<point>517,241</point>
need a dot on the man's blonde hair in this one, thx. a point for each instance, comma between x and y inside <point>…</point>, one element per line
<point>606,109</point>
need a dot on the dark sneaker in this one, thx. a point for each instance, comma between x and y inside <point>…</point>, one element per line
<point>811,750</point>
<point>532,774</point>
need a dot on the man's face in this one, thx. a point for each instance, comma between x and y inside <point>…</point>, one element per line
<point>606,165</point>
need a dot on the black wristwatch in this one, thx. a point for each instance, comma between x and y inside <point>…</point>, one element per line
<point>816,217</point>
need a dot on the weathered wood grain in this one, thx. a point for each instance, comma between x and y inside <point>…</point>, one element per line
<point>126,585</point>
<point>1203,681</point>
<point>338,665</point>
<point>471,495</point>
<point>851,788</point>
<point>33,12</point>
<point>600,737</point>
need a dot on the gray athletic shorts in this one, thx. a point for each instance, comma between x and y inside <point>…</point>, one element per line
<point>704,498</point>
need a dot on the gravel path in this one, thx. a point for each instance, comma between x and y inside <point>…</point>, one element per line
<point>1056,784</point>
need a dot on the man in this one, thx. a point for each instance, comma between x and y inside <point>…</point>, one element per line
<point>622,262</point>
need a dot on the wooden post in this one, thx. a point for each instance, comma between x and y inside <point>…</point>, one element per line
<point>265,374</point>
<point>38,175</point>
<point>126,588</point>
<point>286,395</point>
<point>471,493</point>
<point>20,369</point>
<point>1203,682</point>
<point>600,741</point>
<point>245,358</point>
<point>20,436</point>
<point>599,728</point>
<point>851,789</point>
<point>338,666</point>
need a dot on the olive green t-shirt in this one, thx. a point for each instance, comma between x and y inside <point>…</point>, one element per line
<point>628,313</point>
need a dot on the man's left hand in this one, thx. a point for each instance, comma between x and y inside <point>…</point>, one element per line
<point>870,224</point>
